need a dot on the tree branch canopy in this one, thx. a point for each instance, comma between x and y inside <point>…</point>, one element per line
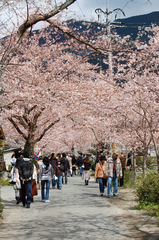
<point>30,21</point>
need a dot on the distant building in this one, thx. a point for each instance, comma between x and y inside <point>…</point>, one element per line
<point>8,154</point>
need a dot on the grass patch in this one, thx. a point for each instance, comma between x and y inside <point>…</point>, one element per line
<point>5,182</point>
<point>152,171</point>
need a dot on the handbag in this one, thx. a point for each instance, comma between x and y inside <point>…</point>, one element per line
<point>13,179</point>
<point>82,166</point>
<point>55,178</point>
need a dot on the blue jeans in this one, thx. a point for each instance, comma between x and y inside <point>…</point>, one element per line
<point>115,182</point>
<point>26,185</point>
<point>53,180</point>
<point>81,170</point>
<point>59,181</point>
<point>101,185</point>
<point>45,197</point>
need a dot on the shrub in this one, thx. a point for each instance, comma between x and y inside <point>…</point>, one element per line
<point>147,189</point>
<point>1,207</point>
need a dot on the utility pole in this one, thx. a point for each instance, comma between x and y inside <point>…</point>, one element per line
<point>106,13</point>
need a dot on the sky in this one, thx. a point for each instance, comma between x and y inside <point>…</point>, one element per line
<point>86,8</point>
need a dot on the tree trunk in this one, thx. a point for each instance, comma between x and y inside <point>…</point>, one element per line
<point>134,168</point>
<point>144,163</point>
<point>157,162</point>
<point>29,147</point>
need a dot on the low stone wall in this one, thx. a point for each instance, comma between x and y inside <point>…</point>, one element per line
<point>4,175</point>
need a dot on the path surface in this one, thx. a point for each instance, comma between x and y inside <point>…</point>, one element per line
<point>75,212</point>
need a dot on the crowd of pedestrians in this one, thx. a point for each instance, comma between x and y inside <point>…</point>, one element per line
<point>55,170</point>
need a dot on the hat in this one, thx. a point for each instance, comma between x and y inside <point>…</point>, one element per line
<point>115,152</point>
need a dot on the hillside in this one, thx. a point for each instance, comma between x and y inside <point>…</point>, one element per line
<point>128,26</point>
<point>131,25</point>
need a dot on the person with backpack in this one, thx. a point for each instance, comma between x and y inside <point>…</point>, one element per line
<point>45,176</point>
<point>25,173</point>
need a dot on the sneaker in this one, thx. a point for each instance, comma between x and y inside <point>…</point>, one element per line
<point>115,195</point>
<point>43,200</point>
<point>28,206</point>
<point>47,200</point>
<point>59,188</point>
<point>108,196</point>
<point>53,187</point>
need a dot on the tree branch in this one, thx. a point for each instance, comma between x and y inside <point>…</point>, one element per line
<point>17,128</point>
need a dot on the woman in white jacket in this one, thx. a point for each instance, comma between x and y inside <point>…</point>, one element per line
<point>17,185</point>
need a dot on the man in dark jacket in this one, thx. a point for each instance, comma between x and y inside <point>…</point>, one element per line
<point>80,163</point>
<point>25,173</point>
<point>53,162</point>
<point>65,163</point>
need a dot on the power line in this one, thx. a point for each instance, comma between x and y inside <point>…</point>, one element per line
<point>81,10</point>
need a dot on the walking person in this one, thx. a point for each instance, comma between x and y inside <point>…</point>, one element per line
<point>80,163</point>
<point>73,164</point>
<point>113,170</point>
<point>99,174</point>
<point>45,176</point>
<point>104,158</point>
<point>53,162</point>
<point>70,163</point>
<point>13,160</point>
<point>65,163</point>
<point>58,171</point>
<point>25,173</point>
<point>17,185</point>
<point>34,190</point>
<point>86,170</point>
<point>40,162</point>
<point>123,164</point>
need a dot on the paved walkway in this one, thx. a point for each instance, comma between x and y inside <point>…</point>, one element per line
<point>75,212</point>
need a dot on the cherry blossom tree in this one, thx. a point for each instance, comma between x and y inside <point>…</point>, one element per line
<point>137,100</point>
<point>20,17</point>
<point>48,86</point>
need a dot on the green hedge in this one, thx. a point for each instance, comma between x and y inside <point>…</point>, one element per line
<point>1,207</point>
<point>147,193</point>
<point>147,189</point>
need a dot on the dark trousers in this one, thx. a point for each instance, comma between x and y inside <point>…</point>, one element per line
<point>122,179</point>
<point>26,187</point>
